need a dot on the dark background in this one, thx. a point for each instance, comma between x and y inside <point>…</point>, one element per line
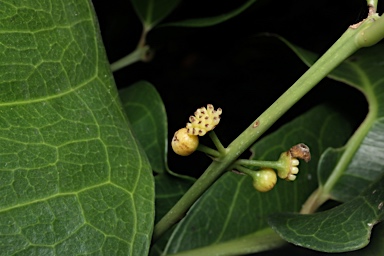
<point>229,65</point>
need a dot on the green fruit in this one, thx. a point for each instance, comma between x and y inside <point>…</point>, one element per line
<point>264,179</point>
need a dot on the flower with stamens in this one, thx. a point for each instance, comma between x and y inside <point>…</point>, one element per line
<point>204,120</point>
<point>289,161</point>
<point>294,169</point>
<point>185,140</point>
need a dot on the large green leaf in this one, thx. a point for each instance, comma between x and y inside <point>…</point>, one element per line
<point>146,113</point>
<point>152,12</point>
<point>210,21</point>
<point>232,208</point>
<point>343,228</point>
<point>73,180</point>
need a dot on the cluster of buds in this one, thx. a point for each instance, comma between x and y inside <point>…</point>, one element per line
<point>265,179</point>
<point>185,141</point>
<point>290,161</point>
<point>205,120</point>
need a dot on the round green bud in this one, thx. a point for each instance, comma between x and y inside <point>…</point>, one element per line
<point>183,143</point>
<point>264,179</point>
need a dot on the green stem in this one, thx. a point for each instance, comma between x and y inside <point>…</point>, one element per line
<point>256,163</point>
<point>217,142</point>
<point>141,53</point>
<point>342,49</point>
<point>136,55</point>
<point>323,193</point>
<point>372,3</point>
<point>213,172</point>
<point>244,170</point>
<point>373,34</point>
<point>208,150</point>
<point>314,201</point>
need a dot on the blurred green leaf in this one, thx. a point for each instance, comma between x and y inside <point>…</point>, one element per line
<point>73,180</point>
<point>343,228</point>
<point>151,12</point>
<point>232,208</point>
<point>210,21</point>
<point>146,113</point>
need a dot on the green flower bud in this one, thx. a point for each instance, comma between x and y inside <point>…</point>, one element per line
<point>264,179</point>
<point>183,143</point>
<point>289,162</point>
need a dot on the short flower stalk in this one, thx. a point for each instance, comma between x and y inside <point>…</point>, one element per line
<point>286,167</point>
<point>264,179</point>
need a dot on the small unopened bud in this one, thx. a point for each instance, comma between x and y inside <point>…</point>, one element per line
<point>264,179</point>
<point>183,143</point>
